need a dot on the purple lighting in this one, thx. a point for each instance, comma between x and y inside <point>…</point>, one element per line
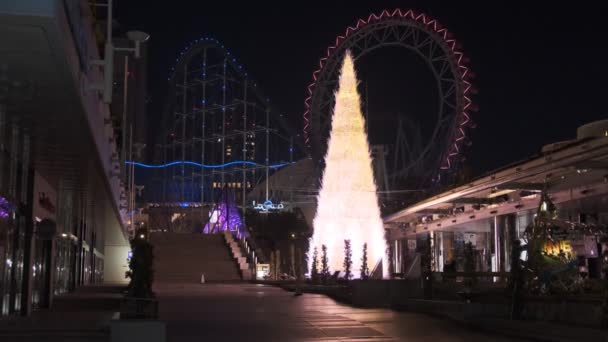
<point>5,208</point>
<point>225,216</point>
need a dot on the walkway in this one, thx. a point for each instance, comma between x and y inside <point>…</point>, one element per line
<point>248,312</point>
<point>82,315</point>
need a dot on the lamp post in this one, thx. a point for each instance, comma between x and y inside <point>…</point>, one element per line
<point>106,87</point>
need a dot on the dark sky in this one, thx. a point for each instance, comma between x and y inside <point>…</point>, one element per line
<point>541,71</point>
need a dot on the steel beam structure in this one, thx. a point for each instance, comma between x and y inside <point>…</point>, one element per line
<point>215,114</point>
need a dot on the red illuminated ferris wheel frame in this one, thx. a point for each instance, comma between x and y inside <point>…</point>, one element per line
<point>417,23</point>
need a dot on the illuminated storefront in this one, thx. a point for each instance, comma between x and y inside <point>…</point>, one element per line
<point>473,227</point>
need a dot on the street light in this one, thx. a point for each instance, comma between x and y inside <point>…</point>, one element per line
<point>138,37</point>
<point>108,62</point>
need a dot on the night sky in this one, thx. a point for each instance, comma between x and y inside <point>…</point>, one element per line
<point>540,71</point>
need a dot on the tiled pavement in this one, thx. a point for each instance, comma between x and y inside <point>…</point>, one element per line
<point>235,312</point>
<point>79,316</point>
<point>249,312</point>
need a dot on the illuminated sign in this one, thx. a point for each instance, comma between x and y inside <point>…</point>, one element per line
<point>267,206</point>
<point>556,248</point>
<point>262,270</point>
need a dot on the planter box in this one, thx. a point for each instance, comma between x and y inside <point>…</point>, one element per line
<point>138,308</point>
<point>384,293</point>
<point>579,312</point>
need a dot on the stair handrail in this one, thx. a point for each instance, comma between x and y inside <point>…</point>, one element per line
<point>244,252</point>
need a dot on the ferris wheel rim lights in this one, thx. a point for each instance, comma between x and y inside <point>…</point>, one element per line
<point>434,27</point>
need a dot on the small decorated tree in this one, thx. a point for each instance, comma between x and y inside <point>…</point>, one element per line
<point>364,268</point>
<point>549,270</point>
<point>469,257</point>
<point>140,269</point>
<point>348,260</point>
<point>324,264</point>
<point>469,266</point>
<point>516,281</point>
<point>314,270</point>
<point>140,301</point>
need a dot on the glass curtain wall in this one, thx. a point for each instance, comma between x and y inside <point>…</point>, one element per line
<point>14,196</point>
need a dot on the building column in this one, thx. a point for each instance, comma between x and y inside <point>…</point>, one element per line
<point>28,244</point>
<point>496,239</point>
<point>503,229</point>
<point>439,257</point>
<point>26,223</point>
<point>510,235</point>
<point>14,277</point>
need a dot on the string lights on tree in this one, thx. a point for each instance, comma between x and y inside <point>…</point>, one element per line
<point>348,181</point>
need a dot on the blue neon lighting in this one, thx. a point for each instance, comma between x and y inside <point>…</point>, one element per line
<point>275,166</point>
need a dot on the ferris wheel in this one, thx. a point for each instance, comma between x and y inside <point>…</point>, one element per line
<point>438,152</point>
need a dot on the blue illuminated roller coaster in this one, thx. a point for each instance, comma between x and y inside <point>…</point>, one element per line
<point>219,130</point>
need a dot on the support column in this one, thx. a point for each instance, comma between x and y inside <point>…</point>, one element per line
<point>496,238</point>
<point>123,140</point>
<point>397,256</point>
<point>267,148</point>
<point>14,278</point>
<point>439,254</point>
<point>509,237</point>
<point>245,132</point>
<point>2,150</point>
<point>183,139</point>
<point>26,222</point>
<point>223,122</point>
<point>203,127</point>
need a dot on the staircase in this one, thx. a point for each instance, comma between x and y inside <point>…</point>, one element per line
<point>241,259</point>
<point>183,258</point>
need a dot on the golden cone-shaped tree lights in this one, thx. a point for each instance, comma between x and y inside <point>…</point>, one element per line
<point>347,204</point>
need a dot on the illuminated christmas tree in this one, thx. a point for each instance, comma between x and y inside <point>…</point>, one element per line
<point>347,206</point>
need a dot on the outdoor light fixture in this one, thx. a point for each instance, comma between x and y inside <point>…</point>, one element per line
<point>497,193</point>
<point>138,37</point>
<point>142,236</point>
<point>64,235</point>
<point>108,62</point>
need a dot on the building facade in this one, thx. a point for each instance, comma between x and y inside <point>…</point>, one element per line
<point>492,212</point>
<point>60,224</point>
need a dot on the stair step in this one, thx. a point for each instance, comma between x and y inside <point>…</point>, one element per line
<point>185,257</point>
